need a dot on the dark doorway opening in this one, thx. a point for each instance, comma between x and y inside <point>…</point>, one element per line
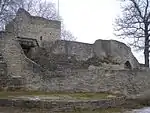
<point>27,44</point>
<point>26,49</point>
<point>127,65</point>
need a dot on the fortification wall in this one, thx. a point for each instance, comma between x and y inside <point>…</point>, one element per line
<point>11,52</point>
<point>92,80</point>
<point>116,52</point>
<point>98,80</point>
<point>18,65</point>
<point>25,25</point>
<point>109,51</point>
<point>82,51</point>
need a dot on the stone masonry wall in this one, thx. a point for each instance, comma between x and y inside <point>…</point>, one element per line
<point>60,105</point>
<point>82,51</point>
<point>113,51</point>
<point>18,65</point>
<point>116,52</point>
<point>25,25</point>
<point>92,80</point>
<point>98,80</point>
<point>12,54</point>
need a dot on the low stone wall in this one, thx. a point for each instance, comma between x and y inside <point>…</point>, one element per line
<point>62,106</point>
<point>100,80</point>
<point>12,83</point>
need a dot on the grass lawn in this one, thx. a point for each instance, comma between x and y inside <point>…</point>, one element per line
<point>9,94</point>
<point>78,96</point>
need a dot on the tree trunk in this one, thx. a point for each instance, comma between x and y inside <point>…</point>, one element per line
<point>146,49</point>
<point>146,56</point>
<point>66,47</point>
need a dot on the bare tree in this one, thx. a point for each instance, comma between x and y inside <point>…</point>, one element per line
<point>67,36</point>
<point>4,11</point>
<point>37,8</point>
<point>134,23</point>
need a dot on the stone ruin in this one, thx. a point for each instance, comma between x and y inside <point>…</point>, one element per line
<point>33,57</point>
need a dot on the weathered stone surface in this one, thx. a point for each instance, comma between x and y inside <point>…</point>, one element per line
<point>109,59</point>
<point>25,25</point>
<point>17,63</point>
<point>82,51</point>
<point>116,52</point>
<point>62,106</point>
<point>95,80</point>
<point>123,81</point>
<point>108,51</point>
<point>143,97</point>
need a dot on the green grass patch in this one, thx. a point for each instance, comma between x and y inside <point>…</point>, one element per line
<point>89,95</point>
<point>9,94</point>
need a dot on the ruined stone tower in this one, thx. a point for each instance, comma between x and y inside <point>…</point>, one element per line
<point>26,26</point>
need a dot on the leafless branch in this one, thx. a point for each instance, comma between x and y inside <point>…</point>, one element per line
<point>135,24</point>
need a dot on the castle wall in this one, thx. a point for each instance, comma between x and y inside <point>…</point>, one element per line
<point>25,25</point>
<point>18,65</point>
<point>12,54</point>
<point>116,52</point>
<point>99,80</point>
<point>113,51</point>
<point>92,80</point>
<point>82,51</point>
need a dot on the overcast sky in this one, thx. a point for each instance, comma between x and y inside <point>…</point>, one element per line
<point>90,20</point>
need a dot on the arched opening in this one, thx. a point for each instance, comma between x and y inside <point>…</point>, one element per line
<point>41,38</point>
<point>127,65</point>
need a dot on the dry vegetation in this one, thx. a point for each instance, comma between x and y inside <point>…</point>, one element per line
<point>89,96</point>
